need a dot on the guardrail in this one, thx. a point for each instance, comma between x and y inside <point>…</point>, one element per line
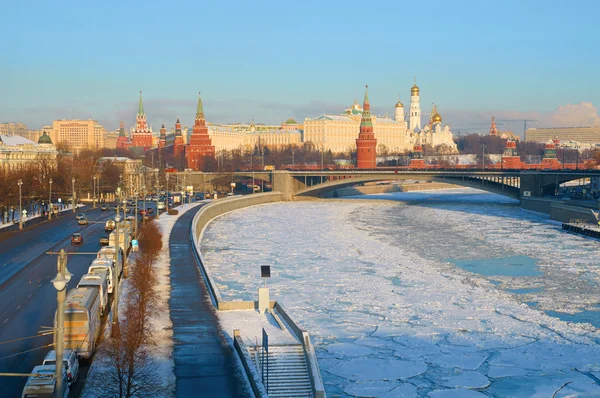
<point>199,224</point>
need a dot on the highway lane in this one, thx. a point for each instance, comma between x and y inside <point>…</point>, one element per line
<point>28,302</point>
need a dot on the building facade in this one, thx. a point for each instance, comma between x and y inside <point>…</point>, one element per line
<point>78,134</point>
<point>584,135</point>
<point>17,152</point>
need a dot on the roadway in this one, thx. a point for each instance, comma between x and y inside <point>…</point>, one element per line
<point>27,296</point>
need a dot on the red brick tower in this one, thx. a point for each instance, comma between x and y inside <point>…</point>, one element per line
<point>122,140</point>
<point>162,142</point>
<point>178,144</point>
<point>494,129</point>
<point>141,137</point>
<point>200,146</point>
<point>366,144</point>
<point>417,161</point>
<point>510,157</point>
<point>550,161</point>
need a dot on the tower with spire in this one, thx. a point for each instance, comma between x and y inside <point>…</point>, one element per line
<point>494,129</point>
<point>122,140</point>
<point>162,140</point>
<point>142,135</point>
<point>366,144</point>
<point>415,108</point>
<point>178,144</point>
<point>200,146</point>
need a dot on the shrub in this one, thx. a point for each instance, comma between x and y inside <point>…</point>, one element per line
<point>173,212</point>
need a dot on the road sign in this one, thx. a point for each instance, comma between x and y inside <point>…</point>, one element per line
<point>265,271</point>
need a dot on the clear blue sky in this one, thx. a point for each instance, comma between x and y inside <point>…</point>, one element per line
<point>269,60</point>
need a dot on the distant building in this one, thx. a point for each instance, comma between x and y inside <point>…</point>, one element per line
<point>131,171</point>
<point>584,135</point>
<point>78,134</point>
<point>110,139</point>
<point>17,152</point>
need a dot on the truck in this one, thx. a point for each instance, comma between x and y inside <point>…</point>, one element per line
<point>104,265</point>
<point>42,383</point>
<point>98,280</point>
<point>81,321</point>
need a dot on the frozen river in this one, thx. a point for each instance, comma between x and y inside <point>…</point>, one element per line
<point>451,293</point>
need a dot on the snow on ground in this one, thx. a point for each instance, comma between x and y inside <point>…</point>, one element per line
<point>250,323</point>
<point>162,352</point>
<point>392,305</point>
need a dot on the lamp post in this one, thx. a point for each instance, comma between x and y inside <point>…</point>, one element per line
<point>188,193</point>
<point>135,219</point>
<point>167,204</point>
<point>94,206</point>
<point>144,215</point>
<point>50,207</point>
<point>483,156</point>
<point>252,168</point>
<point>262,180</point>
<point>157,196</point>
<point>63,276</point>
<point>577,158</point>
<point>115,320</point>
<point>19,183</point>
<point>73,193</point>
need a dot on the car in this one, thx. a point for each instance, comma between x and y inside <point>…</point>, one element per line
<point>104,239</point>
<point>110,225</point>
<point>82,221</point>
<point>143,212</point>
<point>79,216</point>
<point>104,207</point>
<point>41,383</point>
<point>70,364</point>
<point>76,238</point>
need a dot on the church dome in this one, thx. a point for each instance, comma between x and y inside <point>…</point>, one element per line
<point>437,118</point>
<point>44,139</point>
<point>414,90</point>
<point>399,104</point>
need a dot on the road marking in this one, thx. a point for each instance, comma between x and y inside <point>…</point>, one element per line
<point>19,306</point>
<point>40,285</point>
<point>31,295</point>
<point>6,320</point>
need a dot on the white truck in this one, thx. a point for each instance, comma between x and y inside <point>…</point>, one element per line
<point>104,265</point>
<point>43,383</point>
<point>97,281</point>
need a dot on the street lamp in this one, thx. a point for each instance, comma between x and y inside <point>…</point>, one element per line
<point>19,183</point>
<point>252,168</point>
<point>73,193</point>
<point>115,320</point>
<point>483,156</point>
<point>157,196</point>
<point>94,187</point>
<point>144,215</point>
<point>50,208</point>
<point>167,192</point>
<point>63,276</point>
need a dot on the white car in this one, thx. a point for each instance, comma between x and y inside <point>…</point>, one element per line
<point>43,384</point>
<point>70,364</point>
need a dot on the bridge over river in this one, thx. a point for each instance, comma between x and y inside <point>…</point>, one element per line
<point>297,185</point>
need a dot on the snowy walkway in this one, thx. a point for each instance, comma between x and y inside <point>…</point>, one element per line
<point>204,363</point>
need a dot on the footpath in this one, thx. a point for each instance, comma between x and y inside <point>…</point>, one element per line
<point>205,364</point>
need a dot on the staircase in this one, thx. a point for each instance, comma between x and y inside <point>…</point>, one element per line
<point>288,373</point>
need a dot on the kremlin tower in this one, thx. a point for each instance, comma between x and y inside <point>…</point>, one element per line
<point>417,161</point>
<point>366,144</point>
<point>122,139</point>
<point>494,129</point>
<point>200,146</point>
<point>510,157</point>
<point>142,136</point>
<point>178,144</point>
<point>162,141</point>
<point>550,161</point>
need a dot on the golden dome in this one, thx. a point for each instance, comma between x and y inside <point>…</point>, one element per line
<point>399,104</point>
<point>437,118</point>
<point>414,90</point>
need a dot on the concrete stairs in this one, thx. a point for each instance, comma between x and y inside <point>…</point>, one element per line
<point>288,372</point>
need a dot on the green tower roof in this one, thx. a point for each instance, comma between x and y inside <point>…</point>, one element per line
<point>366,93</point>
<point>141,107</point>
<point>291,121</point>
<point>200,109</point>
<point>44,139</point>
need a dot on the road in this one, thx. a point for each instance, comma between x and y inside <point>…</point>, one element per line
<point>27,296</point>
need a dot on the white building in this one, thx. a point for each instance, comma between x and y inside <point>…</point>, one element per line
<point>17,152</point>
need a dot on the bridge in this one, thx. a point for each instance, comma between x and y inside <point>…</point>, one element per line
<point>297,185</point>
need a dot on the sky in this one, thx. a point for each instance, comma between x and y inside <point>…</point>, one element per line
<point>270,60</point>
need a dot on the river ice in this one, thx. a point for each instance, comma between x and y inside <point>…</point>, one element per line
<point>397,305</point>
